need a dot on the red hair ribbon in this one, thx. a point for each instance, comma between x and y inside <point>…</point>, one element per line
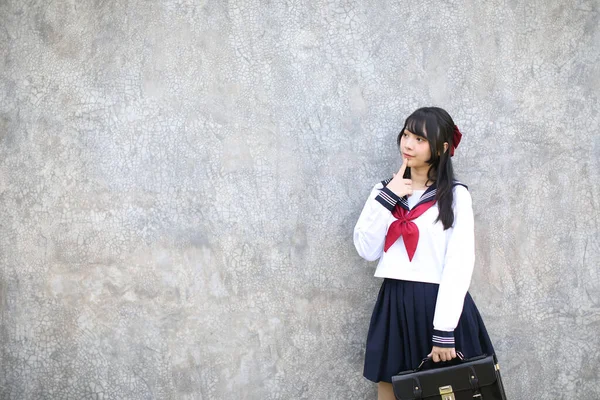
<point>456,136</point>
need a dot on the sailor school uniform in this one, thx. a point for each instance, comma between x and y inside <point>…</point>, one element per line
<point>417,257</point>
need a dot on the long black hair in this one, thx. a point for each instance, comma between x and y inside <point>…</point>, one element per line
<point>436,125</point>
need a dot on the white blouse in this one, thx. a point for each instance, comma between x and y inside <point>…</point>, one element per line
<point>445,257</point>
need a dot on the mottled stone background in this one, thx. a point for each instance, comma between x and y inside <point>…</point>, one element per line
<point>179,182</point>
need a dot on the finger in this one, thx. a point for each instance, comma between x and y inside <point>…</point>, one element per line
<point>453,353</point>
<point>410,192</point>
<point>449,355</point>
<point>436,357</point>
<point>407,181</point>
<point>403,167</point>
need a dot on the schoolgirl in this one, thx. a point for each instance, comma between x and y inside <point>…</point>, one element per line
<point>419,224</point>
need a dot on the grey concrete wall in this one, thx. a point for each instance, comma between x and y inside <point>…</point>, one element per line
<point>179,182</point>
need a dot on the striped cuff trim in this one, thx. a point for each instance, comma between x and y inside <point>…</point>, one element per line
<point>387,198</point>
<point>443,339</point>
<point>385,182</point>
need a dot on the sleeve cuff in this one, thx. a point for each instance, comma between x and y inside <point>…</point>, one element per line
<point>387,198</point>
<point>443,339</point>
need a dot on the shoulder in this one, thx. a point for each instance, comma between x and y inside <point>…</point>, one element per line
<point>461,194</point>
<point>459,183</point>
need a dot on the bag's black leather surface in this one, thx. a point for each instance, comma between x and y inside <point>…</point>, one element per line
<point>475,378</point>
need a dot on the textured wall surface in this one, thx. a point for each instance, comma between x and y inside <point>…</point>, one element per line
<point>179,182</point>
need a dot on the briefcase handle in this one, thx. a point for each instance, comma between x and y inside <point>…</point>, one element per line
<point>424,361</point>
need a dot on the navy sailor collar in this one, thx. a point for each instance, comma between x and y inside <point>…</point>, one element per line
<point>429,194</point>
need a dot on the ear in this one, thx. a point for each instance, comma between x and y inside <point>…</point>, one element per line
<point>445,148</point>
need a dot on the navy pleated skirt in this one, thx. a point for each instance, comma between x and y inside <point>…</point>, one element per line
<point>402,325</point>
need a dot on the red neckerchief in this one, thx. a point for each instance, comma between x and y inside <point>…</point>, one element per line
<point>403,226</point>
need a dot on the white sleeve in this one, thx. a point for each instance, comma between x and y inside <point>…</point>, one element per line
<point>371,229</point>
<point>458,268</point>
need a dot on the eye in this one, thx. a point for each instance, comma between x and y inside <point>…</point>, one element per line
<point>419,139</point>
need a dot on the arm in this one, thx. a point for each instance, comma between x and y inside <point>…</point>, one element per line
<point>458,268</point>
<point>371,227</point>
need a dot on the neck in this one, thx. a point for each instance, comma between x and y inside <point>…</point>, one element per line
<point>419,178</point>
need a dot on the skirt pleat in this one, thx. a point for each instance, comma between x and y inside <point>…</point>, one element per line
<point>401,329</point>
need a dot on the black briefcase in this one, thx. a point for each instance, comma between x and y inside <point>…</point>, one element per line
<point>474,378</point>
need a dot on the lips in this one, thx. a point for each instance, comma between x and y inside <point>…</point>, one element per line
<point>407,156</point>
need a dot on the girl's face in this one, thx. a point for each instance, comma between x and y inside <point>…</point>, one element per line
<point>415,149</point>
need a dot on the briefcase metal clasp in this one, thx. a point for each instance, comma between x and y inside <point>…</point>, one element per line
<point>447,393</point>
